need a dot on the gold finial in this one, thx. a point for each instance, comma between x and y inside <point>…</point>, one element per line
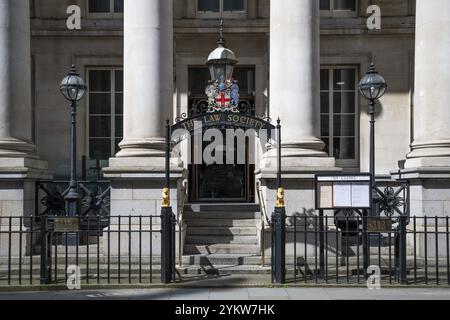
<point>166,198</point>
<point>280,198</point>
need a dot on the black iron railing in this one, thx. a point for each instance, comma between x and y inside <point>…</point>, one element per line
<point>44,250</point>
<point>320,251</point>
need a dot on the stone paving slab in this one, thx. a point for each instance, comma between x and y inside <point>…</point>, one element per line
<point>236,294</point>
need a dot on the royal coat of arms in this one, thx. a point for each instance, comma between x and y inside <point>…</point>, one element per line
<point>223,95</point>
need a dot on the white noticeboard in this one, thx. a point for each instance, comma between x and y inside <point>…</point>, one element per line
<point>335,192</point>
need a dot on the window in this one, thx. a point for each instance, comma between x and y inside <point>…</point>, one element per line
<point>105,8</point>
<point>105,123</point>
<point>339,114</point>
<point>221,8</point>
<point>338,8</point>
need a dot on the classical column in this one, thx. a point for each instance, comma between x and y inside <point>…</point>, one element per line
<point>19,166</point>
<point>294,98</point>
<point>432,85</point>
<point>148,76</point>
<point>294,75</point>
<point>15,79</point>
<point>137,172</point>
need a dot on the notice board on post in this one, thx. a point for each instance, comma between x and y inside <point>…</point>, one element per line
<point>343,191</point>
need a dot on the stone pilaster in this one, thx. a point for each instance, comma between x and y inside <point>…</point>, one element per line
<point>294,98</point>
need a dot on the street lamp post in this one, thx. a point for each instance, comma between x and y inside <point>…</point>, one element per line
<point>372,86</point>
<point>73,89</point>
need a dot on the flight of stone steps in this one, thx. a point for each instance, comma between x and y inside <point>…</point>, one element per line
<point>221,229</point>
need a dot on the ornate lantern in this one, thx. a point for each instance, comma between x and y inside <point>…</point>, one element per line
<point>223,90</point>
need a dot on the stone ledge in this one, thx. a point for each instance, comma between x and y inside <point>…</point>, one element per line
<point>24,168</point>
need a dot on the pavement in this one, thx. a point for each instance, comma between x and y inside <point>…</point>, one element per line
<point>249,293</point>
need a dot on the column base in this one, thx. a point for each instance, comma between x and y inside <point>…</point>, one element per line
<point>15,148</point>
<point>154,147</point>
<point>430,185</point>
<point>136,190</point>
<point>429,149</point>
<point>297,179</point>
<point>137,183</point>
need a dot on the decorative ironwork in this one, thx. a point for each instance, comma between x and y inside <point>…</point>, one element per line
<point>96,201</point>
<point>394,201</point>
<point>53,201</point>
<point>95,198</point>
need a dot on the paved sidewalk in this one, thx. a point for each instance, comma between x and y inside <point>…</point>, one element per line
<point>236,294</point>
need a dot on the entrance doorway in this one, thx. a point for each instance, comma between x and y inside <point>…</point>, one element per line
<point>222,182</point>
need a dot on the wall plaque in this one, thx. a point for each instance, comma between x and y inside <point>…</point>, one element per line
<point>379,224</point>
<point>66,224</point>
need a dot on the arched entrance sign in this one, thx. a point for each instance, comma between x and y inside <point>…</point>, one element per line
<point>221,120</point>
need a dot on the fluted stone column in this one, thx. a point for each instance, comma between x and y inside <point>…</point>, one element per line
<point>148,72</point>
<point>428,164</point>
<point>15,79</point>
<point>137,171</point>
<point>295,99</point>
<point>19,166</point>
<point>295,75</point>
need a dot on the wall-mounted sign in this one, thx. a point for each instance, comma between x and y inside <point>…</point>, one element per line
<point>352,191</point>
<point>66,224</point>
<point>379,224</point>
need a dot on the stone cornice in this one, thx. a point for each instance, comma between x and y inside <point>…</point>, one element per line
<point>329,27</point>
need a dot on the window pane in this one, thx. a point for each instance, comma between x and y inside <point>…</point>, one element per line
<point>344,79</point>
<point>324,102</point>
<point>209,5</point>
<point>344,102</point>
<point>344,148</point>
<point>246,80</point>
<point>326,140</point>
<point>345,5</point>
<point>99,103</point>
<point>100,80</point>
<point>100,149</point>
<point>198,80</point>
<point>325,125</point>
<point>99,126</point>
<point>118,5</point>
<point>98,6</point>
<point>119,103</point>
<point>325,5</point>
<point>233,5</point>
<point>344,126</point>
<point>119,80</point>
<point>324,79</point>
<point>119,126</point>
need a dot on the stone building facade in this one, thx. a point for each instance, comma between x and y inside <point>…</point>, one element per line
<point>301,61</point>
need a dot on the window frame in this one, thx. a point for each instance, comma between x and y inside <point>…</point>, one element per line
<point>351,164</point>
<point>112,114</point>
<point>221,13</point>
<point>104,15</point>
<point>333,13</point>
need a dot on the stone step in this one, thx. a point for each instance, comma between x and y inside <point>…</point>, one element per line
<point>220,222</point>
<point>221,207</point>
<point>221,248</point>
<point>214,239</point>
<point>221,259</point>
<point>217,231</point>
<point>221,215</point>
